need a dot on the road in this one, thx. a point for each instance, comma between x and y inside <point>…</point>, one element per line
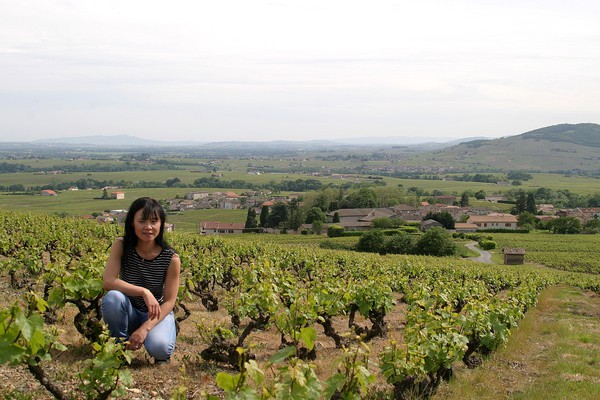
<point>484,256</point>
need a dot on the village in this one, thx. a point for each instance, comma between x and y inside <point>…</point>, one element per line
<point>467,219</point>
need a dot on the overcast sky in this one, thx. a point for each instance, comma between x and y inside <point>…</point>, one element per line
<point>298,70</point>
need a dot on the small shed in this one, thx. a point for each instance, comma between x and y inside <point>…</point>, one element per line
<point>513,256</point>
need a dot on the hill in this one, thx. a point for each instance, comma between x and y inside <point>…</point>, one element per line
<point>564,147</point>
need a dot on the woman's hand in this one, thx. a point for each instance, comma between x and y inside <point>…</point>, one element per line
<point>152,305</point>
<point>137,338</point>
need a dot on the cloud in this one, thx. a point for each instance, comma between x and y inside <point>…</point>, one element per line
<point>306,69</point>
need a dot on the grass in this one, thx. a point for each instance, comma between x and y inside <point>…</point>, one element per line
<point>554,353</point>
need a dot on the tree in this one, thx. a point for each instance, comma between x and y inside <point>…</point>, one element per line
<point>317,227</point>
<point>382,223</point>
<point>565,225</point>
<point>480,195</point>
<point>295,218</point>
<point>172,182</point>
<point>371,241</point>
<point>520,203</point>
<point>436,242</point>
<point>315,214</point>
<point>251,219</point>
<point>464,200</point>
<point>400,243</point>
<point>530,205</point>
<point>364,198</point>
<point>594,200</point>
<point>278,215</point>
<point>443,217</point>
<point>593,225</point>
<point>264,215</point>
<point>336,217</point>
<point>526,218</point>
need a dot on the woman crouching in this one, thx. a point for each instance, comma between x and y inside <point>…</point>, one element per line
<point>142,279</point>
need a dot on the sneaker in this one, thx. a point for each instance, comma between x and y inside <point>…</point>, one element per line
<point>162,362</point>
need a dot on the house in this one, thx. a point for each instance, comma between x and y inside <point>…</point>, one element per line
<point>232,195</point>
<point>48,192</point>
<point>406,212</point>
<point>494,221</point>
<point>513,256</point>
<point>105,219</point>
<point>465,227</point>
<point>430,223</point>
<point>117,195</point>
<point>216,227</point>
<point>545,208</point>
<point>231,203</point>
<point>196,195</point>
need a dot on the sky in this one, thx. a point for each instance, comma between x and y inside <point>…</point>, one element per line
<point>296,70</point>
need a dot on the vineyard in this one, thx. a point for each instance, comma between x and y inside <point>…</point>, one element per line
<point>576,253</point>
<point>256,320</point>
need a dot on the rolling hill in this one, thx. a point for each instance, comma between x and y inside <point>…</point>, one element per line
<point>564,147</point>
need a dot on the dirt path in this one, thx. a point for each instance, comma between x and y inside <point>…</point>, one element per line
<point>553,354</point>
<point>484,256</point>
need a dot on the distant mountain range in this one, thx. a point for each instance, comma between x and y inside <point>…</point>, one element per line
<point>114,140</point>
<point>132,141</point>
<point>563,147</point>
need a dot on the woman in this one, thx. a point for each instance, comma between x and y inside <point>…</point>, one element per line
<point>142,279</point>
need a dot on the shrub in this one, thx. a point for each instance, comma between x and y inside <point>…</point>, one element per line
<point>335,231</point>
<point>487,244</point>
<point>371,241</point>
<point>400,243</point>
<point>436,242</point>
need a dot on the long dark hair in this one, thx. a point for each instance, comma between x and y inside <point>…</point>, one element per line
<point>150,208</point>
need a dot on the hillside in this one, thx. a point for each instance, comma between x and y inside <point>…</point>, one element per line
<point>563,147</point>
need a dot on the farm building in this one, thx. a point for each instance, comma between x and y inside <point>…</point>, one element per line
<point>513,256</point>
<point>216,227</point>
<point>494,221</point>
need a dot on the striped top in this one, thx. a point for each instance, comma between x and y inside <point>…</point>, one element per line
<point>150,274</point>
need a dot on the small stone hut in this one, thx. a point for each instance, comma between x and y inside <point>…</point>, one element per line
<point>513,256</point>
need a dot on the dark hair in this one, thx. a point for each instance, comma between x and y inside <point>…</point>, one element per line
<point>150,208</point>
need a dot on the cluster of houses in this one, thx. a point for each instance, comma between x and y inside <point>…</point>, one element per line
<point>356,219</point>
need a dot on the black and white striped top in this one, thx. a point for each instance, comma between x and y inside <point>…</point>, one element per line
<point>150,274</point>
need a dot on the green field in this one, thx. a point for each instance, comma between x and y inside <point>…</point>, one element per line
<point>85,202</point>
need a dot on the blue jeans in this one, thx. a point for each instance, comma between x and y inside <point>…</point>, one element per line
<point>123,319</point>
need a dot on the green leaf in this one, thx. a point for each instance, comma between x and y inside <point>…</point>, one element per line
<point>226,381</point>
<point>254,372</point>
<point>336,382</point>
<point>308,336</point>
<point>282,354</point>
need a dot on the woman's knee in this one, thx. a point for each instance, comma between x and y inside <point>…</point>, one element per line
<point>114,297</point>
<point>160,342</point>
<point>160,347</point>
